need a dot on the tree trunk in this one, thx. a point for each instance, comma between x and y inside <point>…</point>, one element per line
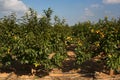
<point>111,72</point>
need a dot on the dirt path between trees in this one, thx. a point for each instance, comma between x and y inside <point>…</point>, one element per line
<point>89,70</point>
<point>59,76</point>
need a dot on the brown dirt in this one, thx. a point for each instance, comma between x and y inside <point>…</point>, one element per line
<point>89,70</point>
<point>59,76</point>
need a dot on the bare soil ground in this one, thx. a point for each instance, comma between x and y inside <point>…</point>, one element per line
<point>89,70</point>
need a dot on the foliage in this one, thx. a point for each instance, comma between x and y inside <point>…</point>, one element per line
<point>37,41</point>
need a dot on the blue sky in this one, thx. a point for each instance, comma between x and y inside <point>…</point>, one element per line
<point>72,10</point>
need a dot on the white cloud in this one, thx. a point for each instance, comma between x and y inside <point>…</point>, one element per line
<point>107,12</point>
<point>39,16</point>
<point>111,1</point>
<point>8,6</point>
<point>95,5</point>
<point>88,12</point>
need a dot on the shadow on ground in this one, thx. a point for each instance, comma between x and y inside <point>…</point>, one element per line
<point>23,69</point>
<point>87,68</point>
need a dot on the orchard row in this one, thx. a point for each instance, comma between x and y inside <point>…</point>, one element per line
<point>37,41</point>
